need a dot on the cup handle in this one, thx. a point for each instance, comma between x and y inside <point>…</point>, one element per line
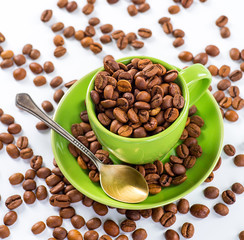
<point>198,79</point>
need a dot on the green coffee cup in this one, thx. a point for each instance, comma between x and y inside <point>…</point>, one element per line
<point>194,81</point>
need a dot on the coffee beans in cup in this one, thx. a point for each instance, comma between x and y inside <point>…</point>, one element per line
<point>137,100</point>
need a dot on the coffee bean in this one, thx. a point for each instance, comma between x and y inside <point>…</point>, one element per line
<point>137,44</point>
<point>218,164</point>
<point>39,81</point>
<point>132,10</point>
<point>212,50</point>
<point>71,6</point>
<point>224,71</point>
<point>88,9</point>
<point>4,230</point>
<point>94,21</point>
<point>105,39</point>
<point>91,235</point>
<point>183,206</point>
<point>168,219</point>
<point>229,150</point>
<point>27,49</point>
<point>22,142</point>
<point>14,128</point>
<point>224,84</point>
<point>171,235</point>
<point>235,54</point>
<point>210,177</point>
<point>122,43</point>
<point>2,38</point>
<point>7,119</point>
<point>213,70</point>
<point>59,233</point>
<point>19,74</point>
<point>29,185</point>
<point>13,202</point>
<point>36,68</point>
<point>211,192</point>
<point>139,234</point>
<point>62,3</point>
<point>67,212</point>
<point>58,95</point>
<point>201,58</point>
<point>222,21</point>
<point>41,192</point>
<point>239,160</point>
<point>235,75</point>
<point>185,56</point>
<point>46,15</point>
<point>77,221</point>
<point>7,54</point>
<point>237,188</point>
<point>59,51</point>
<point>143,7</point>
<point>70,83</point>
<point>47,106</point>
<point>19,59</point>
<point>29,197</point>
<point>6,138</point>
<point>128,225</point>
<point>7,63</point>
<point>234,91</point>
<point>144,32</point>
<point>10,218</point>
<point>74,235</point>
<point>167,27</point>
<point>231,116</point>
<point>96,47</point>
<point>228,197</point>
<point>163,20</point>
<point>199,210</point>
<point>187,230</point>
<point>174,9</point>
<point>241,235</point>
<point>186,3</point>
<point>30,174</point>
<point>170,208</point>
<point>12,151</point>
<point>178,42</point>
<point>100,209</point>
<point>93,223</point>
<point>225,32</point>
<point>221,209</point>
<point>57,27</point>
<point>16,178</point>
<point>106,28</point>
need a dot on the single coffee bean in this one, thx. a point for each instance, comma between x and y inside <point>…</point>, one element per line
<point>19,74</point>
<point>96,47</point>
<point>201,58</point>
<point>212,50</point>
<point>174,9</point>
<point>7,119</point>
<point>100,209</point>
<point>178,33</point>
<point>210,177</point>
<point>139,234</point>
<point>39,81</point>
<point>13,202</point>
<point>225,32</point>
<point>234,91</point>
<point>132,10</point>
<point>67,212</point>
<point>106,28</point>
<point>93,223</point>
<point>36,68</point>
<point>10,218</point>
<point>237,188</point>
<point>167,27</point>
<point>19,59</point>
<point>224,71</point>
<point>218,164</point>
<point>231,116</point>
<point>228,197</point>
<point>88,9</point>
<point>178,42</point>
<point>2,38</point>
<point>186,3</point>
<point>171,235</point>
<point>29,197</point>
<point>183,206</point>
<point>30,174</point>
<point>47,106</point>
<point>185,56</point>
<point>94,21</point>
<point>211,192</point>
<point>122,43</point>
<point>105,39</point>
<point>70,83</point>
<point>48,67</point>
<point>29,185</point>
<point>12,151</point>
<point>41,192</point>
<point>187,230</point>
<point>57,27</point>
<point>16,178</point>
<point>46,15</point>
<point>71,6</point>
<point>59,51</point>
<point>235,75</point>
<point>4,230</point>
<point>74,235</point>
<point>170,208</point>
<point>168,219</point>
<point>235,54</point>
<point>58,95</point>
<point>222,21</point>
<point>14,128</point>
<point>36,162</point>
<point>41,126</point>
<point>199,210</point>
<point>91,235</point>
<point>163,20</point>
<point>77,221</point>
<point>34,54</point>
<point>6,138</point>
<point>221,209</point>
<point>22,142</point>
<point>229,150</point>
<point>143,7</point>
<point>224,84</point>
<point>59,233</point>
<point>144,32</point>
<point>213,70</point>
<point>56,81</point>
<point>7,63</point>
<point>62,3</point>
<point>128,225</point>
<point>239,160</point>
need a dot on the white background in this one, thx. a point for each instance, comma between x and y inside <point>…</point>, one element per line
<point>19,22</point>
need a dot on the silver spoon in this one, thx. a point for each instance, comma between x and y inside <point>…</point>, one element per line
<point>120,182</point>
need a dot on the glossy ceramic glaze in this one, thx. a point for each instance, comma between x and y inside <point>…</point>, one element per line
<point>193,81</point>
<point>68,112</point>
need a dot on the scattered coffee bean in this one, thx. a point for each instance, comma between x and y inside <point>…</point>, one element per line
<point>93,223</point>
<point>57,27</point>
<point>239,160</point>
<point>237,188</point>
<point>74,235</point>
<point>22,142</point>
<point>47,106</point>
<point>10,218</point>
<point>213,70</point>
<point>58,95</point>
<point>91,235</point>
<point>19,74</point>
<point>106,28</point>
<point>167,27</point>
<point>7,63</point>
<point>4,230</point>
<point>235,75</point>
<point>105,39</point>
<point>212,50</point>
<point>132,10</point>
<point>211,192</point>
<point>185,56</point>
<point>59,51</point>
<point>96,47</point>
<point>139,234</point>
<point>2,38</point>
<point>231,116</point>
<point>225,32</point>
<point>183,206</point>
<point>199,210</point>
<point>222,21</point>
<point>223,84</point>
<point>36,68</point>
<point>187,230</point>
<point>228,197</point>
<point>16,178</point>
<point>77,221</point>
<point>13,202</point>
<point>71,6</point>
<point>201,58</point>
<point>14,128</point>
<point>88,9</point>
<point>6,138</point>
<point>186,3</point>
<point>144,33</point>
<point>174,9</point>
<point>41,192</point>
<point>221,209</point>
<point>229,150</point>
<point>46,15</point>
<point>143,7</point>
<point>235,54</point>
<point>7,54</point>
<point>59,233</point>
<point>30,174</point>
<point>171,235</point>
<point>29,197</point>
<point>62,3</point>
<point>100,209</point>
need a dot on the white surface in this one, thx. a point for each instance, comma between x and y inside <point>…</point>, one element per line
<point>19,22</point>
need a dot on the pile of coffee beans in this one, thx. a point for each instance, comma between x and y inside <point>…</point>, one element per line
<point>137,100</point>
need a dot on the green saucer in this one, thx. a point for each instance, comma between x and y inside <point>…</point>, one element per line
<point>211,139</point>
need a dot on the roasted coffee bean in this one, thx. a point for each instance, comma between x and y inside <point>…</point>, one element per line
<point>29,197</point>
<point>19,59</point>
<point>213,70</point>
<point>199,210</point>
<point>178,33</point>
<point>77,221</point>
<point>144,32</point>
<point>30,174</point>
<point>133,215</point>
<point>174,9</point>
<point>163,20</point>
<point>178,42</point>
<point>178,169</point>
<point>13,202</point>
<point>231,116</point>
<point>12,151</point>
<point>187,230</point>
<point>139,234</point>
<point>235,54</point>
<point>165,180</point>
<point>132,10</point>
<point>57,27</point>
<point>41,126</point>
<point>219,95</point>
<point>239,160</point>
<point>14,128</point>
<point>39,81</point>
<point>171,235</point>
<point>182,151</point>
<point>93,223</point>
<point>7,119</point>
<point>46,15</point>
<point>62,3</point>
<point>237,188</point>
<point>4,230</point>
<point>41,192</point>
<point>235,75</point>
<point>58,95</point>
<point>74,235</point>
<point>189,162</point>
<point>221,209</point>
<point>229,150</point>
<point>56,81</point>
<point>38,227</point>
<point>90,31</point>
<point>59,51</point>
<point>47,106</point>
<point>69,32</point>
<point>16,178</point>
<point>131,36</point>
<point>36,68</point>
<point>96,47</point>
<point>67,212</point>
<point>26,153</point>
<point>186,3</point>
<point>241,235</point>
<point>222,21</point>
<point>6,138</point>
<point>34,54</point>
<point>185,56</point>
<point>201,58</point>
<point>111,228</point>
<point>100,209</point>
<point>36,162</point>
<point>19,74</point>
<point>71,6</point>
<point>210,177</point>
<point>234,91</point>
<point>143,7</point>
<point>128,225</point>
<point>122,43</point>
<point>106,28</point>
<point>2,38</point>
<point>70,83</point>
<point>228,197</point>
<point>94,21</point>
<point>217,166</point>
<point>22,142</point>
<point>157,213</point>
<point>91,235</point>
<point>59,233</point>
<point>168,219</point>
<point>183,206</point>
<point>225,32</point>
<point>105,39</point>
<point>138,1</point>
<point>167,27</point>
<point>211,192</point>
<point>58,40</point>
<point>224,71</point>
<point>170,208</point>
<point>212,50</point>
<point>29,185</point>
<point>223,84</point>
<point>6,63</point>
<point>10,218</point>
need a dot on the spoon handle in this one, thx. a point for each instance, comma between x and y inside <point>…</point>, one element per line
<point>25,102</point>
